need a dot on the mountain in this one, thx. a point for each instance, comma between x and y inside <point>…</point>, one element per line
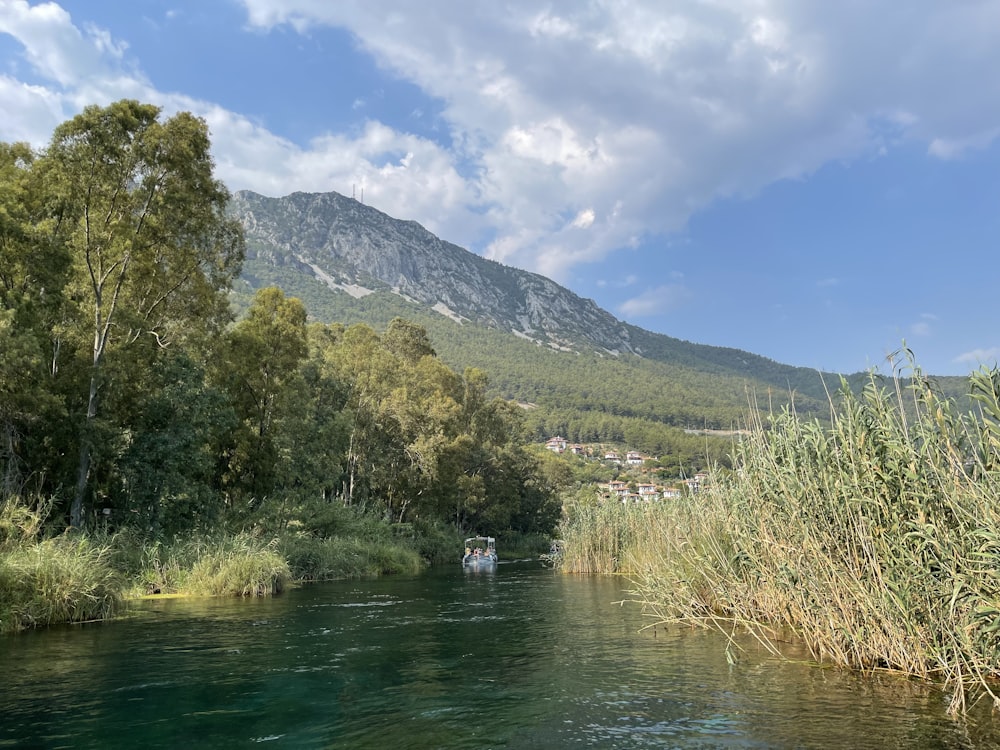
<point>539,342</point>
<point>356,249</point>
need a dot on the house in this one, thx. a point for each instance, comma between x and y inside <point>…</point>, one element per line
<point>576,449</point>
<point>646,491</point>
<point>618,489</point>
<point>612,457</point>
<point>556,444</point>
<point>632,458</point>
<point>670,492</point>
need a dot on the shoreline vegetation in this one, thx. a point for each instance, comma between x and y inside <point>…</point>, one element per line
<point>81,577</point>
<point>191,451</point>
<point>873,538</point>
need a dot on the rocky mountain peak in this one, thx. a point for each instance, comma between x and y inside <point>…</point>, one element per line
<point>356,249</point>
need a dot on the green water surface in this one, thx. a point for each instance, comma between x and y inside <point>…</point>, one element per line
<point>518,658</point>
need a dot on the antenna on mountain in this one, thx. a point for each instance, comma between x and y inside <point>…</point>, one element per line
<point>353,198</point>
<point>362,194</point>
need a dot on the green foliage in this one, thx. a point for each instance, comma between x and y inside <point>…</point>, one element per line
<point>121,249</point>
<point>646,402</point>
<point>317,559</point>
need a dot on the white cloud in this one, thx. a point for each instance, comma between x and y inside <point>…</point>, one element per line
<point>924,326</point>
<point>954,148</point>
<point>644,105</point>
<point>584,219</point>
<point>403,174</point>
<point>655,301</point>
<point>582,128</point>
<point>978,357</point>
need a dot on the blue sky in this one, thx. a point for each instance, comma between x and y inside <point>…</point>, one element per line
<point>811,181</point>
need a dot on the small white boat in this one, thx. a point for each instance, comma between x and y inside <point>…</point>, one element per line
<point>480,552</point>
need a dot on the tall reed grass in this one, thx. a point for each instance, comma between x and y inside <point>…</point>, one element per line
<point>241,565</point>
<point>317,559</point>
<point>875,539</point>
<point>64,579</point>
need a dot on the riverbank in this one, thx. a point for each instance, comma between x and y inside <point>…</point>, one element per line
<point>874,540</point>
<point>48,579</point>
<point>79,577</point>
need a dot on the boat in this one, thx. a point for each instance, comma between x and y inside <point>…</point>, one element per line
<point>480,552</point>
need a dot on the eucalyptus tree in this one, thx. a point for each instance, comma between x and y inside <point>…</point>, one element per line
<point>260,369</point>
<point>153,252</point>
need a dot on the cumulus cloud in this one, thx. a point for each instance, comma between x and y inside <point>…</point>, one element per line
<point>581,128</point>
<point>656,301</point>
<point>659,110</point>
<point>400,173</point>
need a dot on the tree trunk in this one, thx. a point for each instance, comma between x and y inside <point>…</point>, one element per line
<point>83,467</point>
<point>8,456</point>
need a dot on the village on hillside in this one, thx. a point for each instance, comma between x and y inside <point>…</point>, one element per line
<point>625,491</point>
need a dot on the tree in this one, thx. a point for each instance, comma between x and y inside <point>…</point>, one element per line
<point>33,271</point>
<point>260,371</point>
<point>144,219</point>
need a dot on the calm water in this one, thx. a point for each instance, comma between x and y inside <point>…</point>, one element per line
<point>521,658</point>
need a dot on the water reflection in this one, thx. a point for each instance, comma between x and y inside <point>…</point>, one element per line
<point>519,658</point>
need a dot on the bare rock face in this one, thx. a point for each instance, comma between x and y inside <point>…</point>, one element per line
<point>356,249</point>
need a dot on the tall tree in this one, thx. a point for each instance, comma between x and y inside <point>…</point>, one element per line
<point>261,372</point>
<point>32,275</point>
<point>144,219</point>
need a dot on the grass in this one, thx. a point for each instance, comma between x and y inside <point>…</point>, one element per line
<point>80,577</point>
<point>60,580</point>
<point>317,559</point>
<point>873,539</point>
<point>238,566</point>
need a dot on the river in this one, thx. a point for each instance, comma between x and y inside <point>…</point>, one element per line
<point>519,658</point>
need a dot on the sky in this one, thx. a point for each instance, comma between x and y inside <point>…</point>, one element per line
<point>816,182</point>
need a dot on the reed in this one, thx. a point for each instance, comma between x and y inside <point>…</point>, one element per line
<point>875,539</point>
<point>610,537</point>
<point>317,559</point>
<point>65,579</point>
<point>240,565</point>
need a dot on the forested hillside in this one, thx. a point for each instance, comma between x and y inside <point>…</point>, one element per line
<point>587,396</point>
<point>645,399</point>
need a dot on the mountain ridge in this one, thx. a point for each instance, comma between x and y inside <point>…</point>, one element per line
<point>372,248</point>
